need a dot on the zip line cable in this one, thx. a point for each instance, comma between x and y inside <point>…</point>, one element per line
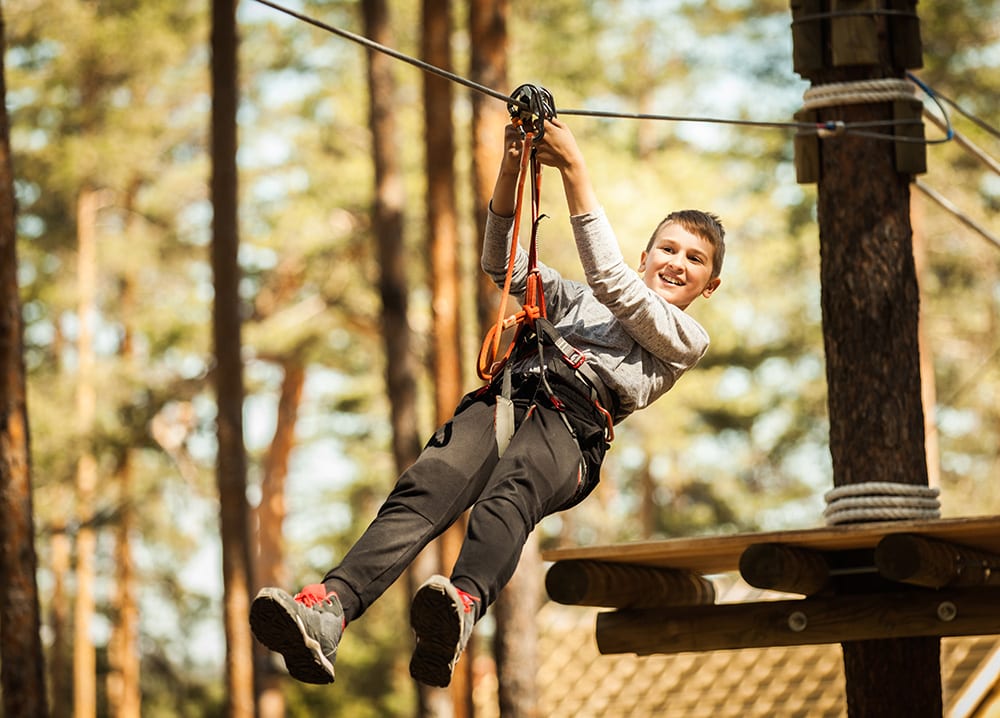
<point>372,45</point>
<point>823,129</point>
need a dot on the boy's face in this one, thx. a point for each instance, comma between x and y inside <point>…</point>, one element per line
<point>678,266</point>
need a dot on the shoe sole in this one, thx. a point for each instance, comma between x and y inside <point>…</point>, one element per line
<point>284,633</point>
<point>438,625</point>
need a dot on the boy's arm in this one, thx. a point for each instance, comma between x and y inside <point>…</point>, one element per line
<point>505,189</point>
<point>558,149</point>
<point>499,220</point>
<point>659,327</point>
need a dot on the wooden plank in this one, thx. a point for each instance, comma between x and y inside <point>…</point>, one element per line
<point>807,621</point>
<point>911,157</point>
<point>854,37</point>
<point>904,35</point>
<point>721,554</point>
<point>807,36</point>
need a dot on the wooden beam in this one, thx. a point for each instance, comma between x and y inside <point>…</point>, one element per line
<point>828,619</point>
<point>935,564</point>
<point>719,554</point>
<point>777,567</point>
<point>618,585</point>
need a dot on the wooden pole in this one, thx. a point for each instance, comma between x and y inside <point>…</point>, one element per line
<point>870,307</point>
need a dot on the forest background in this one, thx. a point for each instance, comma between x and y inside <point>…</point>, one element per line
<point>109,105</point>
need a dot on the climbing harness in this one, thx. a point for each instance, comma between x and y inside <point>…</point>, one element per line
<point>529,107</point>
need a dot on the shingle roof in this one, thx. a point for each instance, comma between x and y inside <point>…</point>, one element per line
<point>808,681</point>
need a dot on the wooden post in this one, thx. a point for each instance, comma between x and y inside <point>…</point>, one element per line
<point>870,305</point>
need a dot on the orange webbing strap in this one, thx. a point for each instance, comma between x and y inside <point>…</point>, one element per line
<point>490,360</point>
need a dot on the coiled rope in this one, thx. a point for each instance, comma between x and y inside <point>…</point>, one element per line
<point>881,501</point>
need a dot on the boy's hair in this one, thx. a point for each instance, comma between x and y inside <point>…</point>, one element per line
<point>701,224</point>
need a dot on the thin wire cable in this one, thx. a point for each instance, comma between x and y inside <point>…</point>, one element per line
<point>983,124</point>
<point>372,45</point>
<point>824,129</point>
<point>812,17</point>
<point>952,208</point>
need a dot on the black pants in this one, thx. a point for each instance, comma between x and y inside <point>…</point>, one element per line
<point>542,471</point>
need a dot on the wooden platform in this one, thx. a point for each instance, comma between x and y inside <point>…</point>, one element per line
<point>860,582</point>
<point>720,554</point>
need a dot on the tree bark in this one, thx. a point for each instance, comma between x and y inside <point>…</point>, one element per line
<point>22,668</point>
<point>387,221</point>
<point>443,244</point>
<point>270,563</point>
<point>515,644</point>
<point>226,334</point>
<point>870,304</point>
<point>84,653</point>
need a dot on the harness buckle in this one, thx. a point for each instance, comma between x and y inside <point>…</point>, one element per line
<point>574,359</point>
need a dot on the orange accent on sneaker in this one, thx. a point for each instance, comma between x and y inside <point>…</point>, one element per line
<point>467,599</point>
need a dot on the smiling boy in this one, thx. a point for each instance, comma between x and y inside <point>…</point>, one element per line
<point>637,340</point>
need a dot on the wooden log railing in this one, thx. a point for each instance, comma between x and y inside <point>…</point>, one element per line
<point>620,585</point>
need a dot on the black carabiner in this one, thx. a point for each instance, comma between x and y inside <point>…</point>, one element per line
<point>530,105</point>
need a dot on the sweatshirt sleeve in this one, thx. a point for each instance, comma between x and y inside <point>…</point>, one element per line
<point>496,252</point>
<point>659,327</point>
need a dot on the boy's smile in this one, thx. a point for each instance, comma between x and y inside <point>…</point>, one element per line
<point>678,266</point>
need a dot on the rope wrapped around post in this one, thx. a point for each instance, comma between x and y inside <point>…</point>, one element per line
<point>881,501</point>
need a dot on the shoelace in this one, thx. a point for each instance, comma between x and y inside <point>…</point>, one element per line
<point>313,594</point>
<point>467,599</point>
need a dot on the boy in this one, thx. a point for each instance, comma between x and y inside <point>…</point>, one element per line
<point>637,340</point>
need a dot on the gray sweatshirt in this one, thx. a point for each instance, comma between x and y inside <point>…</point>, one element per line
<point>638,343</point>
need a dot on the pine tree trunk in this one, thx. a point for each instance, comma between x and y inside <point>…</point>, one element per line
<point>515,645</point>
<point>226,325</point>
<point>443,251</point>
<point>84,654</point>
<point>270,563</point>
<point>870,303</point>
<point>124,694</point>
<point>22,669</point>
<point>488,43</point>
<point>387,221</point>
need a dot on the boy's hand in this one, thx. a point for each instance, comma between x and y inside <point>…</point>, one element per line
<point>557,147</point>
<point>512,146</point>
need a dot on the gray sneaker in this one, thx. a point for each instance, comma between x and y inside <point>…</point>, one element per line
<point>442,616</point>
<point>304,629</point>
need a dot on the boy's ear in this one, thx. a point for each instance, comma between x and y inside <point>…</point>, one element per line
<point>710,288</point>
<point>642,262</point>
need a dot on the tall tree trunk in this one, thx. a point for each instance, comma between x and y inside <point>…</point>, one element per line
<point>870,318</point>
<point>387,221</point>
<point>124,694</point>
<point>270,563</point>
<point>84,654</point>
<point>22,669</point>
<point>488,43</point>
<point>515,644</point>
<point>443,252</point>
<point>226,325</point>
<point>60,601</point>
<point>928,384</point>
